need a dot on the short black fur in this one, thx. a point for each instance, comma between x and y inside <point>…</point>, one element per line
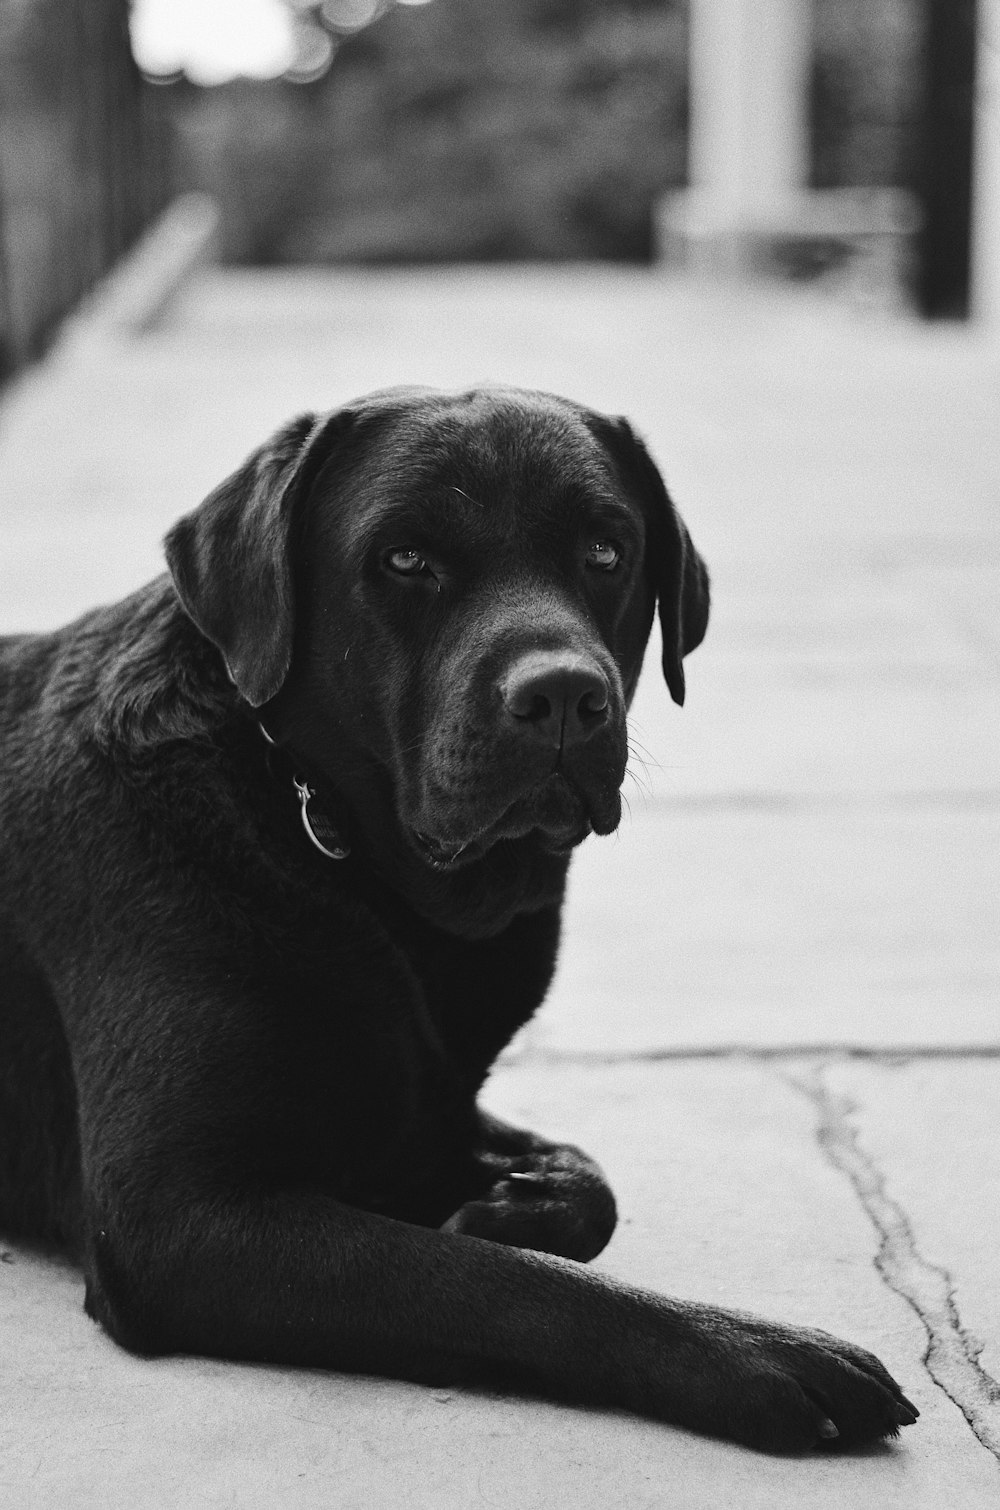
<point>238,1080</point>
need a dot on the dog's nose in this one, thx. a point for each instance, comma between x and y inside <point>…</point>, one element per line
<point>556,698</point>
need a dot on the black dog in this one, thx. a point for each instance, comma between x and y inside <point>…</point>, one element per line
<point>239,1075</point>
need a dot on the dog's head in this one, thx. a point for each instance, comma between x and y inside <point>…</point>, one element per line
<point>441,603</point>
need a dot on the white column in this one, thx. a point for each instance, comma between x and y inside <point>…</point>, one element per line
<point>986,170</point>
<point>749,74</point>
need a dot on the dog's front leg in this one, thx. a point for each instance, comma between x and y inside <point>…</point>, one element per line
<point>297,1278</point>
<point>204,1235</point>
<point>537,1194</point>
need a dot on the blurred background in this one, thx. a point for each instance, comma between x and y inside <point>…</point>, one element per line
<point>766,230</point>
<point>807,136</point>
<point>769,232</point>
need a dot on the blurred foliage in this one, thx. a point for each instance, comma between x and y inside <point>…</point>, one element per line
<point>459,129</point>
<point>82,160</point>
<point>469,129</point>
<point>491,129</point>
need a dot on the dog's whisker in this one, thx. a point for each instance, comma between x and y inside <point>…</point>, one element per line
<point>637,764</point>
<point>648,761</point>
<point>636,744</point>
<point>640,754</point>
<point>644,791</point>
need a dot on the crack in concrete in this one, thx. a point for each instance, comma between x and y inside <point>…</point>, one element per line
<point>524,1051</point>
<point>952,1355</point>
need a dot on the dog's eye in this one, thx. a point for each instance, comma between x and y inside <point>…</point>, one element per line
<point>603,555</point>
<point>407,563</point>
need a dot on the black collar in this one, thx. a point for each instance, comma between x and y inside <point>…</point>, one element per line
<point>320,828</point>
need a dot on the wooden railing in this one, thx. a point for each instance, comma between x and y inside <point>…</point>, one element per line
<point>83,161</point>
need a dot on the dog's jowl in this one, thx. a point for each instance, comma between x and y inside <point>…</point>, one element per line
<point>283,845</point>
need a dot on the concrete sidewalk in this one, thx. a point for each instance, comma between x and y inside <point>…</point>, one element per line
<point>775,1022</point>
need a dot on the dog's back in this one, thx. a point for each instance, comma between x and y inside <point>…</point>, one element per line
<point>39,1151</point>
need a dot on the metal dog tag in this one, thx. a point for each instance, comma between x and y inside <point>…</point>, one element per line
<point>319,828</point>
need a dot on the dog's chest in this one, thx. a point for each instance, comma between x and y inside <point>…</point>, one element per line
<point>372,1101</point>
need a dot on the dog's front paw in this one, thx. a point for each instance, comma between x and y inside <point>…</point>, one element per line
<point>788,1389</point>
<point>555,1202</point>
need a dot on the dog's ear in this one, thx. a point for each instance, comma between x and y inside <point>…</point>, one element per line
<point>231,558</point>
<point>678,573</point>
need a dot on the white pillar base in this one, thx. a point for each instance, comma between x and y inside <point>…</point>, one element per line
<point>859,239</point>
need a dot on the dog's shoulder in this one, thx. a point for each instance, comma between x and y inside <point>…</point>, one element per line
<point>123,677</point>
<point>104,725</point>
